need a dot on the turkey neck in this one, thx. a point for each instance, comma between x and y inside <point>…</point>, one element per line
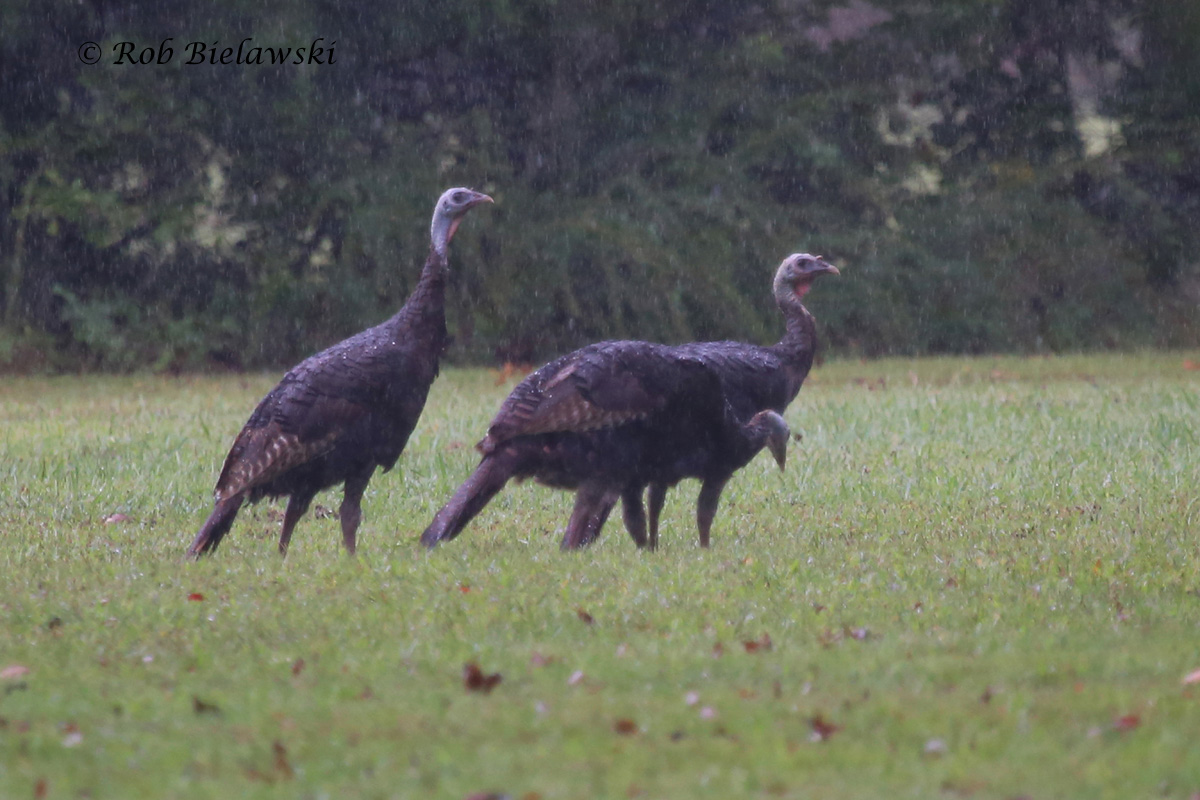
<point>424,315</point>
<point>799,343</point>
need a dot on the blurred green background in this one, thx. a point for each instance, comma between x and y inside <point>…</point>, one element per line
<point>992,176</point>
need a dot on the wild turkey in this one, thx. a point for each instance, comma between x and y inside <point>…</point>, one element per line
<point>753,378</point>
<point>339,414</point>
<point>605,421</point>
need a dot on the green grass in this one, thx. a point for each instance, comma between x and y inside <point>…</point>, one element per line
<point>985,574</point>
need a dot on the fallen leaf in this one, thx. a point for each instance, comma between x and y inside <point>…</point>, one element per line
<point>718,650</point>
<point>829,637</point>
<point>464,588</point>
<point>1191,677</point>
<point>13,671</point>
<point>39,789</point>
<point>475,681</point>
<point>587,618</point>
<point>625,726</point>
<point>951,583</point>
<point>822,729</point>
<point>203,707</point>
<point>1126,722</point>
<point>195,597</point>
<point>282,766</point>
<point>762,643</point>
<point>297,666</point>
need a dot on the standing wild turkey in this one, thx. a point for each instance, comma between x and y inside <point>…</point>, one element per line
<point>339,414</point>
<point>605,421</point>
<point>753,379</point>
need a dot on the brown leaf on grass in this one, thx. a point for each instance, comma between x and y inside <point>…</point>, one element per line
<point>1126,723</point>
<point>324,512</point>
<point>475,681</point>
<point>282,765</point>
<point>761,644</point>
<point>204,707</point>
<point>39,789</point>
<point>718,650</point>
<point>951,583</point>
<point>625,726</point>
<point>822,729</point>
<point>829,637</point>
<point>587,618</point>
<point>195,597</point>
<point>297,666</point>
<point>1191,677</point>
<point>13,671</point>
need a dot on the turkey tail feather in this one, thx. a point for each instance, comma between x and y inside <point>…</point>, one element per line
<point>470,498</point>
<point>216,526</point>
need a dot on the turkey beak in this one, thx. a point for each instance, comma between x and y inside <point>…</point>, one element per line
<point>820,266</point>
<point>778,447</point>
<point>480,197</point>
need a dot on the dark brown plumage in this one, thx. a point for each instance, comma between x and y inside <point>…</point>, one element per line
<point>753,379</point>
<point>605,421</point>
<point>341,413</point>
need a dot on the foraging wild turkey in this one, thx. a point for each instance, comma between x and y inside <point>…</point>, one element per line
<point>753,378</point>
<point>605,421</point>
<point>341,413</point>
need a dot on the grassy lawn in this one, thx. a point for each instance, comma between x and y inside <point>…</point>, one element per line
<point>976,578</point>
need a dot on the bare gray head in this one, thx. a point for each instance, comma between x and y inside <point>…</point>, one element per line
<point>449,211</point>
<point>795,275</point>
<point>777,433</point>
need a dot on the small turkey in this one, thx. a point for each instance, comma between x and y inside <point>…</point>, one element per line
<point>341,413</point>
<point>754,379</point>
<point>605,421</point>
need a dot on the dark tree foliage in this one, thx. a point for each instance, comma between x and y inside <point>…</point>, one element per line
<point>991,174</point>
